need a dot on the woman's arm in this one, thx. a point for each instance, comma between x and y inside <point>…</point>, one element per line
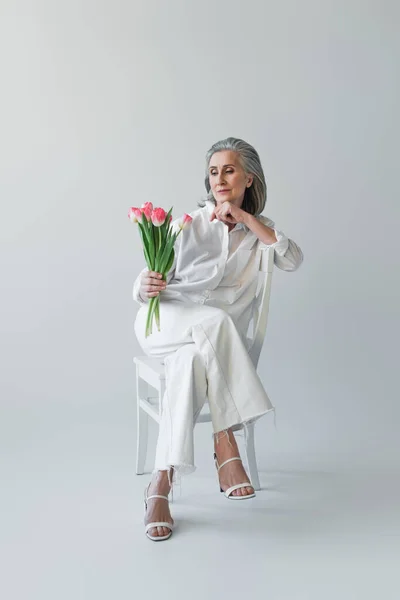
<point>288,255</point>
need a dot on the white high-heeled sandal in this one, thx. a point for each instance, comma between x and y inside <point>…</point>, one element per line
<point>170,526</point>
<point>238,486</point>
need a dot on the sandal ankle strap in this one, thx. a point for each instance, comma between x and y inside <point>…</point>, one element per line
<point>157,496</point>
<point>226,462</point>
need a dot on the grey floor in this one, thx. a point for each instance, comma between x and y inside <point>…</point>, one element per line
<point>72,522</point>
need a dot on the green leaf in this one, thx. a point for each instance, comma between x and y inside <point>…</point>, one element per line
<point>145,227</point>
<point>152,253</point>
<point>145,246</point>
<point>166,253</point>
<point>169,263</point>
<point>159,248</point>
<point>165,225</point>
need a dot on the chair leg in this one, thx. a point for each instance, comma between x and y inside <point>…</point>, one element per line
<point>251,455</point>
<point>142,425</point>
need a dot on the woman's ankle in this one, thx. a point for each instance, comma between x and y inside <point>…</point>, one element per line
<point>162,479</point>
<point>225,443</point>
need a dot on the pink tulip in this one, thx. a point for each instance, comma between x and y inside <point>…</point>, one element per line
<point>147,209</point>
<point>186,220</point>
<point>158,216</point>
<point>135,215</point>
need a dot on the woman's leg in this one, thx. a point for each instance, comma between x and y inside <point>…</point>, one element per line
<point>242,399</point>
<point>235,392</point>
<point>185,395</point>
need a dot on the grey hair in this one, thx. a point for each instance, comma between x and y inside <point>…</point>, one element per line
<point>255,196</point>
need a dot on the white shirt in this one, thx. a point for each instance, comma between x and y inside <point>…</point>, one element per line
<point>218,267</point>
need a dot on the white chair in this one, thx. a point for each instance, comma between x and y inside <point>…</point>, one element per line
<point>150,375</point>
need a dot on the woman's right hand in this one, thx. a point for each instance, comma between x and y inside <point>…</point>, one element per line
<point>151,284</point>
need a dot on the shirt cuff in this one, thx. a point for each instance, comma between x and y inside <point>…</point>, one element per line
<point>136,290</point>
<point>282,243</point>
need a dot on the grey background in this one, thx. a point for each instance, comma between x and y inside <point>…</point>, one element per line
<point>105,105</point>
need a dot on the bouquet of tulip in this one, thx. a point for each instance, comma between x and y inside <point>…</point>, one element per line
<point>158,241</point>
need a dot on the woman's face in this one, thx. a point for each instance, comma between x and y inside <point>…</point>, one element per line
<point>228,179</point>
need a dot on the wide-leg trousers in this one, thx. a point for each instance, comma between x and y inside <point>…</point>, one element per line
<point>205,360</point>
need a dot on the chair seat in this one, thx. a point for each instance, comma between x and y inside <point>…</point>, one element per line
<point>155,364</point>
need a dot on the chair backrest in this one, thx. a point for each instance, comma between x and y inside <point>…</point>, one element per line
<point>261,303</point>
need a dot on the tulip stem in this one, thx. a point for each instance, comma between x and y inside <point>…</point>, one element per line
<point>157,312</point>
<point>149,320</point>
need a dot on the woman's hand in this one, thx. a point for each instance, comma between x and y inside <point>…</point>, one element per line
<point>151,284</point>
<point>229,213</point>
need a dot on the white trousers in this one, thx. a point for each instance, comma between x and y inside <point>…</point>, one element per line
<point>205,360</point>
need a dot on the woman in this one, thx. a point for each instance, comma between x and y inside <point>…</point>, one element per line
<point>205,311</point>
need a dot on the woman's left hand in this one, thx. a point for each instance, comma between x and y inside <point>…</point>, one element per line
<point>228,213</point>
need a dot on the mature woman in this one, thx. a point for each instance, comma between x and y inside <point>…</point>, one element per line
<point>205,311</point>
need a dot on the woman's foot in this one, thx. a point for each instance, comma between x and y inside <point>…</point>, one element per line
<point>232,473</point>
<point>157,508</point>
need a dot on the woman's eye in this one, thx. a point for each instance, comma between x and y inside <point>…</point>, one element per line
<point>215,173</point>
